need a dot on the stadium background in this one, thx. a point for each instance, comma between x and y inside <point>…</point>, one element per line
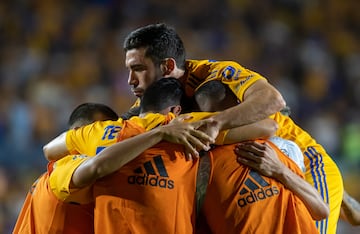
<point>55,55</point>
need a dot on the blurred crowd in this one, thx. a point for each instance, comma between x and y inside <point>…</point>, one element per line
<point>55,55</point>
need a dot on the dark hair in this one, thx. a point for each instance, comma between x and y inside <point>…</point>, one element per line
<point>218,96</point>
<point>212,89</point>
<point>162,94</point>
<point>160,41</point>
<point>86,112</point>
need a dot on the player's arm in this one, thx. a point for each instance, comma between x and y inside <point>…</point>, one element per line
<point>189,137</point>
<point>261,100</point>
<point>56,149</point>
<point>350,210</point>
<point>261,129</point>
<point>263,158</point>
<point>114,157</point>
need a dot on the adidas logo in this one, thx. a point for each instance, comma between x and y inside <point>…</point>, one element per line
<point>148,176</point>
<point>255,189</point>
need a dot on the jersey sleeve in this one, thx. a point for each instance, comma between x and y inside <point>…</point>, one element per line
<point>152,120</point>
<point>61,177</point>
<point>77,140</point>
<point>91,139</point>
<point>235,76</point>
<point>239,79</point>
<point>71,141</point>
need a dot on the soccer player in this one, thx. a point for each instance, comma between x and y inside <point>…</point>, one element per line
<point>156,51</point>
<point>42,211</point>
<point>237,195</point>
<point>214,96</point>
<point>240,200</point>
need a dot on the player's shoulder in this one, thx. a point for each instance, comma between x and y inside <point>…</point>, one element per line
<point>192,63</point>
<point>151,120</point>
<point>105,123</point>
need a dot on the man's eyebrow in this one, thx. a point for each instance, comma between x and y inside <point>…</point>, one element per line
<point>132,66</point>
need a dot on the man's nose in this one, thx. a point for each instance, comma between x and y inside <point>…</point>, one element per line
<point>132,79</point>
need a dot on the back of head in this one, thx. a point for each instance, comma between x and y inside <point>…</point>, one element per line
<point>162,94</point>
<point>214,96</point>
<point>87,113</point>
<point>161,42</point>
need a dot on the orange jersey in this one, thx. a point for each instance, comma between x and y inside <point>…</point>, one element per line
<point>239,200</point>
<point>42,212</point>
<point>155,191</point>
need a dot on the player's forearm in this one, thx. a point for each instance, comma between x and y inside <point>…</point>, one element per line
<point>351,209</point>
<point>114,157</point>
<point>260,101</point>
<point>56,148</point>
<point>261,129</point>
<point>307,193</point>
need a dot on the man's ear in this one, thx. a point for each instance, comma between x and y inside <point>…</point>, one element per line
<point>167,66</point>
<point>176,110</point>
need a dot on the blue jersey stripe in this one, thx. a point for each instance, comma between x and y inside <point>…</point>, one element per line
<point>311,168</point>
<point>318,165</point>
<point>319,177</point>
<point>326,194</point>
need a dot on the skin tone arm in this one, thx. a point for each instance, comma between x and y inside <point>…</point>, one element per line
<point>56,148</point>
<point>263,129</point>
<point>263,158</point>
<point>260,101</point>
<point>350,210</point>
<point>114,157</point>
<point>190,137</point>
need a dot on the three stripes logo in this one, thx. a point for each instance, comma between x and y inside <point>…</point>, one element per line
<point>255,189</point>
<point>152,173</point>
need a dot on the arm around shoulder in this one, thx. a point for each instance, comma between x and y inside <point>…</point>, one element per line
<point>114,157</point>
<point>306,192</point>
<point>263,158</point>
<point>261,100</point>
<point>261,129</point>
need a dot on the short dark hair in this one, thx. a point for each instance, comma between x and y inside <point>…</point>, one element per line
<point>218,95</point>
<point>162,94</point>
<point>160,40</point>
<point>85,113</point>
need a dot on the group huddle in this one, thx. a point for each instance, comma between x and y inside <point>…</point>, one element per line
<point>205,149</point>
